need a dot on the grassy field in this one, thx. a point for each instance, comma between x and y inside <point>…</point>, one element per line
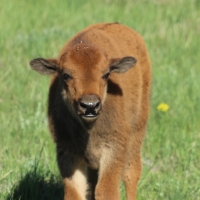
<point>171,150</point>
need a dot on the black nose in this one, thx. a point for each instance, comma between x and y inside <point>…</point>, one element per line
<point>89,105</point>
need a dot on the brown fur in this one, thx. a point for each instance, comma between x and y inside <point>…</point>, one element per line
<point>101,151</point>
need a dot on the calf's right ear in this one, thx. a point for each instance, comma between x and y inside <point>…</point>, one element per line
<point>122,65</point>
<point>44,66</point>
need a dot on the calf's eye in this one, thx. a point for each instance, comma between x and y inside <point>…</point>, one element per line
<point>105,77</point>
<point>66,76</point>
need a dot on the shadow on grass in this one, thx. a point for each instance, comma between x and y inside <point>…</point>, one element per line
<point>37,185</point>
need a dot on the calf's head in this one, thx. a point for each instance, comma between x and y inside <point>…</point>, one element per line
<point>83,72</point>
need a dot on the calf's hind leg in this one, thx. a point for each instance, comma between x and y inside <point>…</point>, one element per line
<point>92,180</point>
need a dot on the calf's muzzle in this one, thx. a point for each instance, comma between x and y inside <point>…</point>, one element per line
<point>89,106</point>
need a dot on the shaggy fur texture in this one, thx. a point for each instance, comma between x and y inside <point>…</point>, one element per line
<point>105,71</point>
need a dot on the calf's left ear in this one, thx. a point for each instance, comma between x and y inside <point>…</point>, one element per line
<point>122,65</point>
<point>44,66</point>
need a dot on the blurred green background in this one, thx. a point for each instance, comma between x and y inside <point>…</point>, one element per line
<point>39,28</point>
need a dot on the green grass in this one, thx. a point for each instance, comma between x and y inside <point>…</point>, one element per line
<point>171,150</point>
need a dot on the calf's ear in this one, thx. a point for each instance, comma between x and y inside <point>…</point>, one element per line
<point>44,66</point>
<point>122,65</point>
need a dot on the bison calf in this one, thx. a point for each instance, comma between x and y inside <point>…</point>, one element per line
<point>97,110</point>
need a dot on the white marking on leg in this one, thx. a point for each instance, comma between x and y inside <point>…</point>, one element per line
<point>80,183</point>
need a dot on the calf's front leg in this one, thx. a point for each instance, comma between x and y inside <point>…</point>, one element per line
<point>73,172</point>
<point>109,175</point>
<point>75,187</point>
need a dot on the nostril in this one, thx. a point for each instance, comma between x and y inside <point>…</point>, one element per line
<point>83,105</point>
<point>97,104</point>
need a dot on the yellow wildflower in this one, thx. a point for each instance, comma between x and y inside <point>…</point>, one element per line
<point>163,107</point>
